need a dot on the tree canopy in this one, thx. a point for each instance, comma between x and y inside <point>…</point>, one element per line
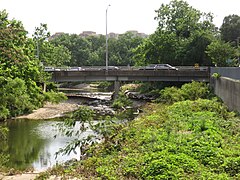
<point>21,74</point>
<point>48,53</point>
<point>230,29</point>
<point>90,51</point>
<point>181,38</point>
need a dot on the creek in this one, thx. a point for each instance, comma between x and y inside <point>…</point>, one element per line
<point>32,144</point>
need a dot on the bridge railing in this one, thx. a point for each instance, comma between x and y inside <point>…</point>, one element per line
<point>95,68</point>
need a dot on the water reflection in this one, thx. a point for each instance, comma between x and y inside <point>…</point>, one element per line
<point>32,144</point>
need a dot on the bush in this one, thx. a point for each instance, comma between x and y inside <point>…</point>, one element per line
<point>54,97</point>
<point>195,90</point>
<point>189,91</point>
<point>121,101</point>
<point>170,95</point>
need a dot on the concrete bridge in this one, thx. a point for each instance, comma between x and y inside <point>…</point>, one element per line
<point>227,87</point>
<point>90,74</point>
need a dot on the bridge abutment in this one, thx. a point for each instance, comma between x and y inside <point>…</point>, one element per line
<point>228,90</point>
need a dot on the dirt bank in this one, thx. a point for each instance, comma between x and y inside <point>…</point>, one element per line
<point>50,110</point>
<point>27,176</point>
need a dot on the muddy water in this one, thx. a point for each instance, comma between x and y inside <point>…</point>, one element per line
<point>32,144</point>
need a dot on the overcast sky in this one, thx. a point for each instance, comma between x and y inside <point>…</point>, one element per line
<point>75,16</point>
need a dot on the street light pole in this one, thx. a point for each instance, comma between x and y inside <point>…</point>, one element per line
<point>107,41</point>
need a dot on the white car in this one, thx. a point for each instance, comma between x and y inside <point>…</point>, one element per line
<point>159,67</point>
<point>165,66</point>
<point>75,69</point>
<point>49,69</point>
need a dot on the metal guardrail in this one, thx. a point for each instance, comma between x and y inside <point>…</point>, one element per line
<point>94,68</point>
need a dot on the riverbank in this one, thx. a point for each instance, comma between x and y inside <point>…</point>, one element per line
<point>50,110</point>
<point>25,176</point>
<point>31,176</point>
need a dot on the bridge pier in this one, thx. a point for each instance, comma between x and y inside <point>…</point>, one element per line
<point>117,85</point>
<point>44,87</point>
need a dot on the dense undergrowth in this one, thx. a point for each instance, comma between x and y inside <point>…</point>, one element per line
<point>188,139</point>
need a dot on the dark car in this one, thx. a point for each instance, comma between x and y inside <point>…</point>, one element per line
<point>159,67</point>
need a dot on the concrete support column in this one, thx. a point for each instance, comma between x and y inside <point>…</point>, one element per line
<point>117,85</point>
<point>44,87</point>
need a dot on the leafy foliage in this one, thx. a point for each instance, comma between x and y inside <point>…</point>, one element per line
<point>54,97</point>
<point>181,37</point>
<point>170,95</point>
<point>48,53</point>
<point>90,51</point>
<point>21,76</point>
<point>83,115</point>
<point>230,29</point>
<point>188,91</point>
<point>221,52</point>
<point>193,139</point>
<point>121,101</point>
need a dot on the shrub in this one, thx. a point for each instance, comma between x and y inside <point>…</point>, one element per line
<point>195,90</point>
<point>189,91</point>
<point>170,95</point>
<point>121,101</point>
<point>54,97</point>
<point>216,75</point>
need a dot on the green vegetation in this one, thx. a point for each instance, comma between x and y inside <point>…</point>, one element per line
<point>90,51</point>
<point>21,85</point>
<point>185,136</point>
<point>21,75</point>
<point>216,75</point>
<point>48,53</point>
<point>192,91</point>
<point>193,138</point>
<point>230,29</point>
<point>184,36</point>
<point>219,52</point>
<point>121,101</point>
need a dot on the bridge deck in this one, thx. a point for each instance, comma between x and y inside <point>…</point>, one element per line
<point>131,75</point>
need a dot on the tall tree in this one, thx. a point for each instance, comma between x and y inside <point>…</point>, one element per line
<point>181,38</point>
<point>221,53</point>
<point>48,53</point>
<point>121,48</point>
<point>21,75</point>
<point>90,51</point>
<point>40,35</point>
<point>77,45</point>
<point>230,29</point>
<point>19,69</point>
